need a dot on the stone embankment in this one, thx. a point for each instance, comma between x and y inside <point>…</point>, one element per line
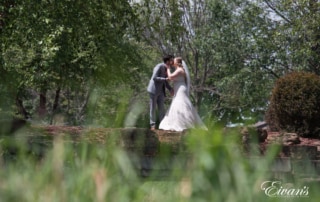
<point>296,155</point>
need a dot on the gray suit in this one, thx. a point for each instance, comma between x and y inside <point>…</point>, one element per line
<point>156,89</point>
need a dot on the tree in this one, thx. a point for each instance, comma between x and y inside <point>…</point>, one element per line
<point>223,45</point>
<point>67,46</point>
<point>298,31</point>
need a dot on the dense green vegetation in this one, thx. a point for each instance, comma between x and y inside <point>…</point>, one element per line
<point>86,61</point>
<point>294,105</point>
<point>215,170</point>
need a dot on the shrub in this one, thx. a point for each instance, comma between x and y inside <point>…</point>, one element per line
<point>295,104</point>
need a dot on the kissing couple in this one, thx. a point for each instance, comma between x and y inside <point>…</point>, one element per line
<point>181,114</point>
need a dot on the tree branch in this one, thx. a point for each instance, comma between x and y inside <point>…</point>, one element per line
<point>277,12</point>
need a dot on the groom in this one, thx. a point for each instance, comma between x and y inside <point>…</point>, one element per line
<point>156,89</point>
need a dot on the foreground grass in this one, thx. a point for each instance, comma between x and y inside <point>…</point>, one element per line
<point>216,171</point>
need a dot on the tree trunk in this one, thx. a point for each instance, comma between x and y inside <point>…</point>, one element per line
<point>55,105</point>
<point>42,110</point>
<point>21,110</point>
<point>56,100</point>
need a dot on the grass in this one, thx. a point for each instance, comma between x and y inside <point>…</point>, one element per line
<point>216,171</point>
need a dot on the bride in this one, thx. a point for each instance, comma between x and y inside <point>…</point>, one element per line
<point>181,114</point>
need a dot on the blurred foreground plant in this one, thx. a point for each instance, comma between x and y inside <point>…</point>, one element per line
<point>79,171</point>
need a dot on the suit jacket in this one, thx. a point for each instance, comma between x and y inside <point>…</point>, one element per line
<point>158,82</point>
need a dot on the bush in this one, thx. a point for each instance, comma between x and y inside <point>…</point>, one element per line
<point>295,104</point>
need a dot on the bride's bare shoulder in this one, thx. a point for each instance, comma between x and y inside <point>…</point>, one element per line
<point>182,70</point>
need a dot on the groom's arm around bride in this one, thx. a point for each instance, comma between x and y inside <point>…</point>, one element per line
<point>156,88</point>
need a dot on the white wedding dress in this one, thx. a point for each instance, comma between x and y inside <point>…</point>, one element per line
<point>181,115</point>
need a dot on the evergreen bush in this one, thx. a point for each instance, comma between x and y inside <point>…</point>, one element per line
<point>295,104</point>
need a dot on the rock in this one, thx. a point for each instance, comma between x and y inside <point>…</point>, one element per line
<point>260,125</point>
<point>290,138</point>
<point>262,134</point>
<point>253,133</point>
<point>300,151</point>
<point>262,129</point>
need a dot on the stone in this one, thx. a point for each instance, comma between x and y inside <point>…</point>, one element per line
<point>300,151</point>
<point>290,138</point>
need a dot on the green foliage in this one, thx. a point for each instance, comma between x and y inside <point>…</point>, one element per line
<point>71,46</point>
<point>234,49</point>
<point>221,42</point>
<point>295,104</point>
<point>296,31</point>
<point>216,171</point>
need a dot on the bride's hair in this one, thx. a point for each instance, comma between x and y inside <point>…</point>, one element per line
<point>179,61</point>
